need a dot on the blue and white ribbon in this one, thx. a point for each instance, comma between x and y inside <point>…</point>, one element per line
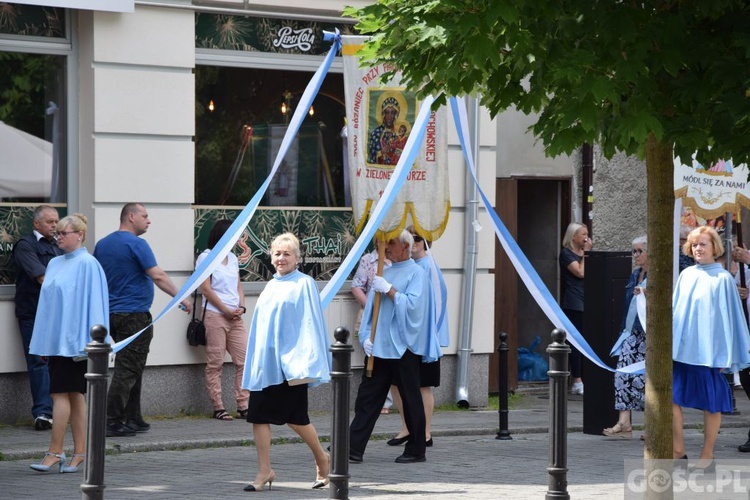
<point>525,270</point>
<point>227,242</point>
<point>400,173</point>
<point>527,273</point>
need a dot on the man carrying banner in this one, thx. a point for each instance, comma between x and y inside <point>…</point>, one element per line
<point>405,336</point>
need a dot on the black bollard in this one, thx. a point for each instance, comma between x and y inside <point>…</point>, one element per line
<point>502,368</point>
<point>558,410</point>
<point>98,373</point>
<point>341,376</point>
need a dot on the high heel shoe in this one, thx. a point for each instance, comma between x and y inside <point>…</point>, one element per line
<point>270,478</point>
<point>73,468</point>
<point>708,469</point>
<point>619,429</point>
<point>40,467</point>
<point>321,481</point>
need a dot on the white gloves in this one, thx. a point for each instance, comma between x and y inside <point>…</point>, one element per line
<point>368,347</point>
<point>380,285</point>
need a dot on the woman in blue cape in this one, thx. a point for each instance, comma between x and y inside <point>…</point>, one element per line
<point>709,334</point>
<point>74,298</point>
<point>287,351</point>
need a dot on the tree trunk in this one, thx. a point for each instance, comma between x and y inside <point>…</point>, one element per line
<point>658,418</point>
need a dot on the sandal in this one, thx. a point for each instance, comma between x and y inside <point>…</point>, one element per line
<point>242,414</point>
<point>222,415</point>
<point>618,430</point>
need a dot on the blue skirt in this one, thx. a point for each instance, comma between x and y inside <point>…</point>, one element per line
<point>700,387</point>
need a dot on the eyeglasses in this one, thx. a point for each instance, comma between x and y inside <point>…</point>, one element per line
<point>64,233</point>
<point>638,251</point>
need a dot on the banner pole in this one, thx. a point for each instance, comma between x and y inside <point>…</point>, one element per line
<point>376,306</point>
<point>743,283</point>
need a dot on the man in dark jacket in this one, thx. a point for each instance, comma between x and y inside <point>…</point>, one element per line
<point>32,253</point>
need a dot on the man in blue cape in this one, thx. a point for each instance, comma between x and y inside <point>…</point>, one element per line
<point>405,337</point>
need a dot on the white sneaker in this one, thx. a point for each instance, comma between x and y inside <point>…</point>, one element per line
<point>577,388</point>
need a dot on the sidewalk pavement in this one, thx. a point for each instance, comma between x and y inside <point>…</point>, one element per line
<point>206,458</point>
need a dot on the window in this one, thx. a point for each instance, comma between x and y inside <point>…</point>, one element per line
<point>33,117</point>
<point>249,77</point>
<point>241,118</point>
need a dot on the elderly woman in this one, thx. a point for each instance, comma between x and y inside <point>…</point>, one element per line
<point>288,351</point>
<point>572,264</point>
<point>709,334</point>
<point>631,346</point>
<point>74,298</point>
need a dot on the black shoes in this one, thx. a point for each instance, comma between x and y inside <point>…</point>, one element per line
<point>410,459</point>
<point>43,423</point>
<point>397,441</point>
<point>138,424</point>
<point>119,430</point>
<point>745,448</point>
<point>355,458</point>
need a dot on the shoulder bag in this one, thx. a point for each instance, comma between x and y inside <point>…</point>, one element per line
<point>196,330</point>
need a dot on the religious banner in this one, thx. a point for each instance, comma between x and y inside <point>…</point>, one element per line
<point>711,192</point>
<point>380,118</point>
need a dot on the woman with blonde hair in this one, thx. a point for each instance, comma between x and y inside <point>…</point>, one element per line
<point>288,352</point>
<point>709,335</point>
<point>74,297</point>
<point>572,262</point>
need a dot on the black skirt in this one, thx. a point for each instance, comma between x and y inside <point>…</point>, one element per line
<point>66,375</point>
<point>279,404</point>
<point>429,374</point>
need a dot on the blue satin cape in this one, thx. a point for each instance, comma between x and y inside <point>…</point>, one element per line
<point>74,298</point>
<point>408,321</point>
<point>432,270</point>
<point>708,327</point>
<point>288,339</point>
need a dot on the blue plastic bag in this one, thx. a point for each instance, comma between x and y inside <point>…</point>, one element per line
<point>532,366</point>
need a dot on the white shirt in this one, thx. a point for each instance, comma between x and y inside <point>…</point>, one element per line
<point>224,281</point>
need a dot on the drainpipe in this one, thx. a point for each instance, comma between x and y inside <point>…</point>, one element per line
<point>587,188</point>
<point>470,262</point>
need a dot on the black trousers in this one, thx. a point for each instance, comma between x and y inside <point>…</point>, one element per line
<point>372,393</point>
<point>124,395</point>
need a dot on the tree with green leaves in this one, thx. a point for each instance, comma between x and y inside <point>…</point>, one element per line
<point>655,79</point>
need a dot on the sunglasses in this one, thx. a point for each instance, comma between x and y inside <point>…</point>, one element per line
<point>637,251</point>
<point>417,239</point>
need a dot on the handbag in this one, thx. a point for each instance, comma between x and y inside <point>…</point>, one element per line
<point>196,330</point>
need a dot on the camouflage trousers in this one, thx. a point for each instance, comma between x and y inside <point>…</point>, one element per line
<point>124,396</point>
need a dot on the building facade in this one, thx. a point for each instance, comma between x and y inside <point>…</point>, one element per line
<point>178,105</point>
